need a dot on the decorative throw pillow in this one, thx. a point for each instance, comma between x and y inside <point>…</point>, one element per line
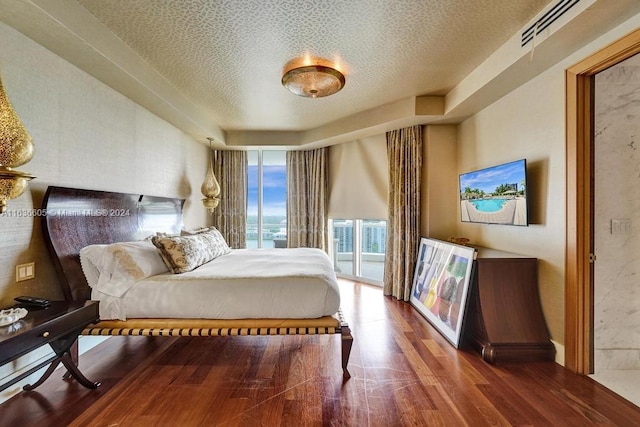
<point>192,231</point>
<point>185,253</point>
<point>160,234</point>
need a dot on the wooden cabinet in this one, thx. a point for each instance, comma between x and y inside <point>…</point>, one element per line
<point>504,319</point>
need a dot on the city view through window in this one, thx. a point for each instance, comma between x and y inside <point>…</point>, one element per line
<point>369,238</point>
<point>266,199</point>
<point>267,221</point>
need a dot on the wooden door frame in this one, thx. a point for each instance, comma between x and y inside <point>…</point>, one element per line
<point>579,201</point>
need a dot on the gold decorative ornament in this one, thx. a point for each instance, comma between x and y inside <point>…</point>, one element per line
<point>16,148</point>
<point>210,187</point>
<point>459,240</point>
<point>312,77</point>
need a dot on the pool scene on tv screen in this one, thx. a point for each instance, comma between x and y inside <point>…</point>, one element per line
<point>495,195</point>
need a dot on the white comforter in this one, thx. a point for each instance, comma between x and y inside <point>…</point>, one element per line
<point>246,283</point>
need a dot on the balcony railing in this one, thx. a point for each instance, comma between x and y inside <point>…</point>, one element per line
<point>371,265</point>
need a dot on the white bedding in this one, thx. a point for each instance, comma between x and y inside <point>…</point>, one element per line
<point>246,283</point>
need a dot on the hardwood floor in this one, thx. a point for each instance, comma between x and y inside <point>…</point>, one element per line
<point>403,373</point>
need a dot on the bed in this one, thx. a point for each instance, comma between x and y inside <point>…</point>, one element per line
<point>78,218</point>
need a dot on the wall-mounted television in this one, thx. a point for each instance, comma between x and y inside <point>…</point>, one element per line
<point>495,195</point>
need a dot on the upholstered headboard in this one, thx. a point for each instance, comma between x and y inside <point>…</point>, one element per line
<point>76,218</point>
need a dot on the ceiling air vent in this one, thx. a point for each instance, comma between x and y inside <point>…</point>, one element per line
<point>547,19</point>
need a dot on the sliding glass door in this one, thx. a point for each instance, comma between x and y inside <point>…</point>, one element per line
<point>358,248</point>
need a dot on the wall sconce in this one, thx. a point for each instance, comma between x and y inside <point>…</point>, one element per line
<point>16,148</point>
<point>210,188</point>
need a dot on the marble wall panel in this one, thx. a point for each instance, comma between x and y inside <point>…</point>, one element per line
<point>617,217</point>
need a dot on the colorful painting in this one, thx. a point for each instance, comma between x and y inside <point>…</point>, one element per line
<point>441,285</point>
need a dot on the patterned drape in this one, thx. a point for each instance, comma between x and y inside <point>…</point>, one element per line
<point>307,198</point>
<point>404,148</point>
<point>230,217</point>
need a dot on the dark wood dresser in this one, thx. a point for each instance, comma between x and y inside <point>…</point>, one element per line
<point>504,319</point>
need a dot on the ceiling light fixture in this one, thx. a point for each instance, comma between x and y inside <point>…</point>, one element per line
<point>312,80</point>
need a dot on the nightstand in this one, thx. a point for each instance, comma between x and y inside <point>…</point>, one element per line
<point>58,325</point>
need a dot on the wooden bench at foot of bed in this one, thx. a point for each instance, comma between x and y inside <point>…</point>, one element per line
<point>228,327</point>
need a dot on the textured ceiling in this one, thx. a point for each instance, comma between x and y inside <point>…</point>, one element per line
<point>228,55</point>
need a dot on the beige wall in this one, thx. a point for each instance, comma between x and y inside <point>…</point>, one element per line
<point>439,184</point>
<point>529,123</point>
<point>89,136</point>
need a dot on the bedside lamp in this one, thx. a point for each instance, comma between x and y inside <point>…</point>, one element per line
<point>16,148</point>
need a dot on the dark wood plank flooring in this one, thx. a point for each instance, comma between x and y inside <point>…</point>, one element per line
<point>403,374</point>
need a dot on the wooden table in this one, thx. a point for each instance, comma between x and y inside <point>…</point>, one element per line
<point>58,325</point>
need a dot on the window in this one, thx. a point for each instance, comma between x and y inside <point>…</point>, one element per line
<point>369,237</point>
<point>266,198</point>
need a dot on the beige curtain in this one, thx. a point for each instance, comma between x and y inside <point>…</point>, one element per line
<point>307,184</point>
<point>404,148</point>
<point>230,217</point>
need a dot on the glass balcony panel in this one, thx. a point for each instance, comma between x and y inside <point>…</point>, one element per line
<point>343,246</point>
<point>372,249</point>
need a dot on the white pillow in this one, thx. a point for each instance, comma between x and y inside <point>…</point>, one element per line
<point>120,265</point>
<point>89,256</point>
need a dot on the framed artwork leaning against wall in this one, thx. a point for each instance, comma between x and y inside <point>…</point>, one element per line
<point>441,285</point>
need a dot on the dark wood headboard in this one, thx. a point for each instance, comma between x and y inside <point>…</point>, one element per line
<point>77,218</point>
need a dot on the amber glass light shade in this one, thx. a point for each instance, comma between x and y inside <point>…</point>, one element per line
<point>311,76</point>
<point>210,188</point>
<point>313,81</point>
<point>16,148</point>
<point>12,185</point>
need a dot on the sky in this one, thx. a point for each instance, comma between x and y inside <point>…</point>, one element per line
<point>274,193</point>
<point>488,179</point>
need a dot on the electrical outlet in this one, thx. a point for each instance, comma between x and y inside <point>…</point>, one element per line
<point>25,271</point>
